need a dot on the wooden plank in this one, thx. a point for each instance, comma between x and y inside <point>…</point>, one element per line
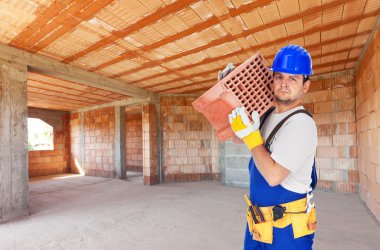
<point>145,21</point>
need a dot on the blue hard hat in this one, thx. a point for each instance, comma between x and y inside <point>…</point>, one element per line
<point>293,59</point>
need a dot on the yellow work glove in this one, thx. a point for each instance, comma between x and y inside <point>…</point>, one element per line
<point>244,128</point>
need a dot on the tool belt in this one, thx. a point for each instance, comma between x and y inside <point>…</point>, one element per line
<point>261,220</point>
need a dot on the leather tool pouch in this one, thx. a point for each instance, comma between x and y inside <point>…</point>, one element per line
<point>262,232</point>
<point>303,224</point>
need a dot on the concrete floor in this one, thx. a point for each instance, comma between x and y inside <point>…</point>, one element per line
<point>97,213</point>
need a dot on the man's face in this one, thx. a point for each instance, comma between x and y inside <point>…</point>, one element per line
<point>289,88</point>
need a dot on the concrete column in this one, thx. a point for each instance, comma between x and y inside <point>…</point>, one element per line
<point>150,145</point>
<point>14,187</point>
<point>120,166</point>
<point>82,139</point>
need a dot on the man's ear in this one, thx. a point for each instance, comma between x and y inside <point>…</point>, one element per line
<point>306,86</point>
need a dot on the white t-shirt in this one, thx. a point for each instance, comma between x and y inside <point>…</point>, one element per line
<point>293,147</point>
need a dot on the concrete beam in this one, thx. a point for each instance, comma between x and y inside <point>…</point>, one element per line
<point>44,65</point>
<point>125,102</point>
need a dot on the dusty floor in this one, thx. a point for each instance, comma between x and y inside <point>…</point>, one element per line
<point>97,213</point>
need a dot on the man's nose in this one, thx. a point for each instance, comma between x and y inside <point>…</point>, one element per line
<point>284,83</point>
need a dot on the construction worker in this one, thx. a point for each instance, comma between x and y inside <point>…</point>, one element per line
<point>282,168</point>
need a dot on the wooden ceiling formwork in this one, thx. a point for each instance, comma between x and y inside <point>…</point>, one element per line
<point>53,93</point>
<point>178,46</point>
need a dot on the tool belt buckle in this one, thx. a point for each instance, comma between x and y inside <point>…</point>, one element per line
<point>278,212</point>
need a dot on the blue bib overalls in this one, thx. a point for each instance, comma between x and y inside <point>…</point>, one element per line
<point>264,195</point>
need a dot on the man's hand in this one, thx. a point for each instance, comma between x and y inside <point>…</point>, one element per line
<point>225,71</point>
<point>244,128</point>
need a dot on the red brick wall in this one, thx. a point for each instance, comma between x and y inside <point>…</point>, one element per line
<point>332,102</point>
<point>368,116</point>
<point>47,162</point>
<point>134,144</point>
<point>186,141</point>
<point>99,128</point>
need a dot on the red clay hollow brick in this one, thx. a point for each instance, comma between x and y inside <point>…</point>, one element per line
<point>248,85</point>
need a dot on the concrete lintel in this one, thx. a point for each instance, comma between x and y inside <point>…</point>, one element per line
<point>44,65</point>
<point>124,102</point>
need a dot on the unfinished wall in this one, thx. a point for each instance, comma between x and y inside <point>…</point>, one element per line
<point>332,103</point>
<point>368,116</point>
<point>99,131</point>
<point>187,142</point>
<point>134,143</point>
<point>92,136</point>
<point>57,161</point>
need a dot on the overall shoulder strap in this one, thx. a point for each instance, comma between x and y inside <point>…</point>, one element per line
<point>265,116</point>
<point>314,178</point>
<point>274,131</point>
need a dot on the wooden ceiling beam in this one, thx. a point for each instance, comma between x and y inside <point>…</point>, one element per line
<point>58,98</point>
<point>196,28</point>
<point>70,87</point>
<point>187,85</point>
<point>70,21</point>
<point>64,95</point>
<point>119,34</point>
<point>230,38</point>
<point>55,103</point>
<point>314,67</point>
<point>54,23</point>
<point>310,47</point>
<point>236,53</point>
<point>47,14</point>
<point>64,92</point>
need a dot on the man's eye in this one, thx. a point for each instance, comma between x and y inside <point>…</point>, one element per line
<point>293,79</point>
